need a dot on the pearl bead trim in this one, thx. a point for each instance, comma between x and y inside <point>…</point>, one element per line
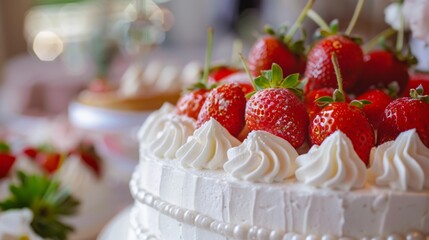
<point>230,230</point>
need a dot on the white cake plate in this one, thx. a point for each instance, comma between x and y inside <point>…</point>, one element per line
<point>118,227</point>
<point>96,118</point>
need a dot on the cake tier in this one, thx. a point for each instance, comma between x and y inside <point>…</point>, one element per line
<point>177,203</point>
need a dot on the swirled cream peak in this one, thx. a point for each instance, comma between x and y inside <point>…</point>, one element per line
<point>402,164</point>
<point>334,164</point>
<point>173,135</point>
<point>154,124</point>
<point>262,157</point>
<point>207,147</point>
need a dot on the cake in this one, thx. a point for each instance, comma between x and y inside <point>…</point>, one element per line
<point>142,88</point>
<point>205,184</point>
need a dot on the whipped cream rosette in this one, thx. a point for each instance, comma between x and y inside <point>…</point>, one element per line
<point>262,157</point>
<point>207,147</point>
<point>402,164</point>
<point>334,164</point>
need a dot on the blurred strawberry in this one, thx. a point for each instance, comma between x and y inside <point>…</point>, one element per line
<point>6,159</point>
<point>218,73</point>
<point>380,69</point>
<point>276,108</point>
<point>242,79</point>
<point>49,161</point>
<point>379,100</point>
<point>415,81</point>
<point>226,103</point>
<point>404,114</point>
<point>191,102</point>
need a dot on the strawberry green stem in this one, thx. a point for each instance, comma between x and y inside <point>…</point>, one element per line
<point>237,47</point>
<point>313,15</point>
<point>298,21</point>
<point>400,36</point>
<point>247,71</point>
<point>355,17</point>
<point>208,55</point>
<point>334,60</point>
<point>375,40</point>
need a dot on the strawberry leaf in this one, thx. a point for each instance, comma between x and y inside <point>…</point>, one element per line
<point>323,101</point>
<point>261,82</point>
<point>48,202</point>
<point>291,81</point>
<point>333,26</point>
<point>4,147</point>
<point>276,75</point>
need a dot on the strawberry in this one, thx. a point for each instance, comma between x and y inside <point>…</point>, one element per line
<point>415,81</point>
<point>49,161</point>
<point>404,114</point>
<point>218,73</point>
<point>275,107</point>
<point>346,117</point>
<point>379,100</point>
<point>279,47</point>
<point>6,159</point>
<point>226,104</point>
<point>30,152</point>
<point>310,100</point>
<point>381,68</point>
<point>190,103</point>
<point>350,120</point>
<point>319,70</point>
<point>242,79</point>
<point>268,50</point>
<point>100,86</point>
<point>92,161</point>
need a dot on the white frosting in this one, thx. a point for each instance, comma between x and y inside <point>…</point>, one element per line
<point>153,125</point>
<point>15,224</point>
<point>207,147</point>
<point>176,131</point>
<point>334,164</point>
<point>262,157</point>
<point>177,203</point>
<point>402,164</point>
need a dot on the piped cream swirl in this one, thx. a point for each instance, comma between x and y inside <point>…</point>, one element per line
<point>402,164</point>
<point>175,133</point>
<point>207,147</point>
<point>154,124</point>
<point>262,157</point>
<point>334,164</point>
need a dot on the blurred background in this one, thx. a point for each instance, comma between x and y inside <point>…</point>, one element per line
<point>51,49</point>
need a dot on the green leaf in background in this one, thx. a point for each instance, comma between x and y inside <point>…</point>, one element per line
<point>51,2</point>
<point>48,202</point>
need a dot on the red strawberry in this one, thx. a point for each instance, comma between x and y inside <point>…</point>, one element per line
<point>415,81</point>
<point>190,103</point>
<point>319,70</point>
<point>379,100</point>
<point>381,68</point>
<point>310,100</point>
<point>404,114</point>
<point>49,161</point>
<point>346,117</point>
<point>218,73</point>
<point>226,104</point>
<point>100,85</point>
<point>279,47</point>
<point>276,109</point>
<point>92,161</point>
<point>242,79</point>
<point>269,50</point>
<point>6,162</point>
<point>30,152</point>
<point>6,159</point>
<point>350,120</point>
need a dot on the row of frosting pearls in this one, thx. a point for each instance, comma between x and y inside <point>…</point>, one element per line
<point>402,164</point>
